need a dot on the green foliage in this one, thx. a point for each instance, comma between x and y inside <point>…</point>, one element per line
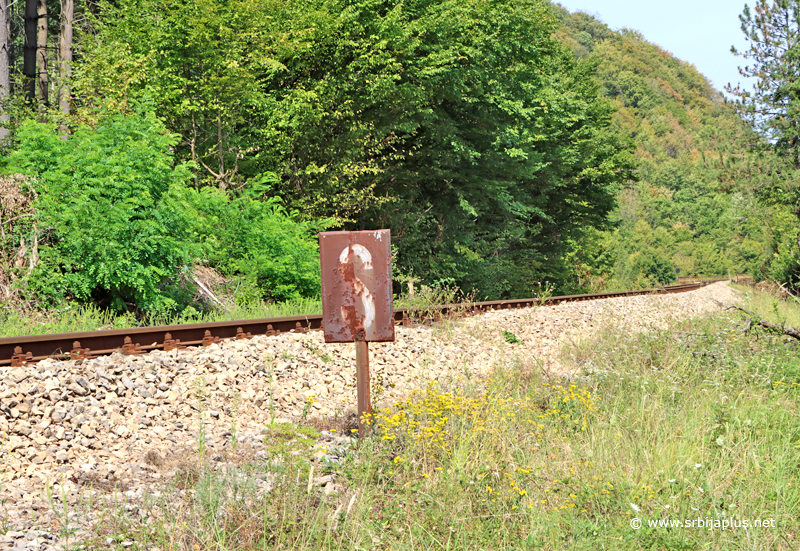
<point>772,107</point>
<point>18,232</point>
<point>112,229</point>
<point>476,131</point>
<point>204,63</point>
<point>773,104</point>
<point>465,127</point>
<point>510,337</point>
<point>654,266</point>
<point>488,174</point>
<point>258,243</point>
<point>118,226</point>
<point>694,207</point>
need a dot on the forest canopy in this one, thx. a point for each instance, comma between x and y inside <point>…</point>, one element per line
<point>504,143</point>
<point>698,206</point>
<point>465,127</point>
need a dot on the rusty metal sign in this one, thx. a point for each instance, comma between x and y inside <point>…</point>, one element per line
<point>357,286</point>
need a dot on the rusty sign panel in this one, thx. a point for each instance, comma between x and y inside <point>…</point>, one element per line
<point>357,286</point>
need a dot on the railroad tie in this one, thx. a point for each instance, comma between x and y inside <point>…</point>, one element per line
<point>101,342</point>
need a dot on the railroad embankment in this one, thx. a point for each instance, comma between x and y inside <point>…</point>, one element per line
<point>120,425</point>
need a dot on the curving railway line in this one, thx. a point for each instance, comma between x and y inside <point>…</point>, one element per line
<point>18,351</point>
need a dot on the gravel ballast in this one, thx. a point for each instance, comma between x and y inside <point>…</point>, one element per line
<point>126,424</point>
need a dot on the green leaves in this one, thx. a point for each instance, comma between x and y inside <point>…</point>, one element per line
<point>464,126</point>
<point>106,205</point>
<point>257,241</point>
<point>202,63</point>
<point>693,208</point>
<point>772,107</point>
<point>119,222</point>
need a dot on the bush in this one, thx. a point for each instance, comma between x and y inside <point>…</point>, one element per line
<point>656,267</point>
<point>106,208</point>
<point>258,240</point>
<point>117,221</point>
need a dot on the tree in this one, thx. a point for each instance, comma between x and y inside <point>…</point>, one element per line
<point>5,74</point>
<point>65,54</point>
<point>29,56</point>
<point>43,77</point>
<point>773,107</point>
<point>463,125</point>
<point>205,64</point>
<point>112,228</point>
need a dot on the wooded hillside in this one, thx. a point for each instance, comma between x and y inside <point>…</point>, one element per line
<point>693,207</point>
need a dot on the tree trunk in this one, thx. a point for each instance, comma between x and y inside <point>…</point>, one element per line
<point>222,183</point>
<point>41,54</point>
<point>797,240</point>
<point>65,67</point>
<point>29,58</point>
<point>5,75</point>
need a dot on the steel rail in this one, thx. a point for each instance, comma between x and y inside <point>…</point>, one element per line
<point>17,351</point>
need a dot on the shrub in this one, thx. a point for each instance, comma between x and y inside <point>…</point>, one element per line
<point>106,210</point>
<point>117,221</point>
<point>272,250</point>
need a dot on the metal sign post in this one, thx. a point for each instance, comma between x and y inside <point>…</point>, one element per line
<point>362,383</point>
<point>357,298</point>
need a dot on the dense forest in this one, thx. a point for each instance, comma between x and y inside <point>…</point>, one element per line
<point>504,143</point>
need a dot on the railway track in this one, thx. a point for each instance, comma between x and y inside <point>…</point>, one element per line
<point>18,351</point>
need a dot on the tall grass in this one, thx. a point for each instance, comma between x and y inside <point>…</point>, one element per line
<point>697,422</point>
<point>88,317</point>
<point>773,307</point>
<point>14,323</point>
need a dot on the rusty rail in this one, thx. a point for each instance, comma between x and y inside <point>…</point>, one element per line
<point>17,351</point>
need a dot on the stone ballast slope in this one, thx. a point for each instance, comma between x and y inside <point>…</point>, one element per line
<point>125,421</point>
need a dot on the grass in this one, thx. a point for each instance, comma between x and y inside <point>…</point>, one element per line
<point>697,422</point>
<point>774,308</point>
<point>76,317</point>
<point>88,317</point>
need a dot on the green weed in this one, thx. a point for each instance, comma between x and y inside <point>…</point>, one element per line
<point>76,317</point>
<point>201,438</point>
